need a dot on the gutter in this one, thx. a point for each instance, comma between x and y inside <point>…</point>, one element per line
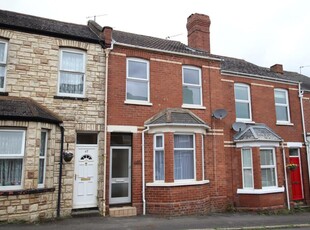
<point>62,130</point>
<point>143,171</point>
<point>285,177</point>
<point>300,94</point>
<point>107,52</point>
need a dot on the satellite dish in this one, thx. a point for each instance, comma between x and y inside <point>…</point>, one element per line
<point>219,113</point>
<point>238,126</point>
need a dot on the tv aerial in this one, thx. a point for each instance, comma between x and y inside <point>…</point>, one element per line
<point>219,114</point>
<point>239,126</point>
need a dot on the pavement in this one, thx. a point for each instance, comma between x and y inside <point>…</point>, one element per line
<point>233,221</point>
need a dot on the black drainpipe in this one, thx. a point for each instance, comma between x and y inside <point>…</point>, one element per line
<point>62,130</point>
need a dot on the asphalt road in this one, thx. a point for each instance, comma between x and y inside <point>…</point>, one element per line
<point>212,221</point>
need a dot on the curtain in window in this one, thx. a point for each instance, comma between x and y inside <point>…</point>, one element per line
<point>2,70</point>
<point>247,168</point>
<point>183,157</point>
<point>11,143</point>
<point>159,165</point>
<point>2,52</point>
<point>71,83</point>
<point>10,172</point>
<point>72,61</point>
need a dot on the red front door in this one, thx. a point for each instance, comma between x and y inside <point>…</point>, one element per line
<point>296,180</point>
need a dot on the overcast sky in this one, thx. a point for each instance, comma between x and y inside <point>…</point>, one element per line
<point>264,32</point>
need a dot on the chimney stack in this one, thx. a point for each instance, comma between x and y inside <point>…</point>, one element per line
<point>277,68</point>
<point>107,36</point>
<point>198,32</point>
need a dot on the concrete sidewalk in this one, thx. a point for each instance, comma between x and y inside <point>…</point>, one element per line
<point>212,221</point>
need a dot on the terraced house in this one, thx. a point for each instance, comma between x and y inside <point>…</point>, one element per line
<point>154,126</point>
<point>52,80</point>
<point>193,132</point>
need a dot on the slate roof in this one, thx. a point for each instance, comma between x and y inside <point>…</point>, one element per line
<point>228,64</point>
<point>44,26</point>
<point>257,132</point>
<point>25,109</point>
<point>175,116</point>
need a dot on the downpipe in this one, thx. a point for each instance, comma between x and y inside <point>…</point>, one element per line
<point>143,170</point>
<point>285,177</point>
<point>62,130</point>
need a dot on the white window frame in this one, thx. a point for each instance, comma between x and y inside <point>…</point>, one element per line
<point>133,79</point>
<point>199,86</point>
<point>15,156</point>
<point>194,157</point>
<point>4,63</point>
<point>158,149</point>
<point>76,51</point>
<point>247,168</point>
<point>270,167</point>
<point>44,158</point>
<point>244,102</point>
<point>283,105</point>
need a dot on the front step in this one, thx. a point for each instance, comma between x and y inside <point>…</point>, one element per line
<point>123,211</point>
<point>86,212</point>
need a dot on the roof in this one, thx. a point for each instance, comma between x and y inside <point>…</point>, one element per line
<point>25,109</point>
<point>257,132</point>
<point>44,26</point>
<point>175,116</point>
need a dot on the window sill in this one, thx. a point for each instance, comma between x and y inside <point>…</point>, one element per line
<point>138,103</point>
<point>260,191</point>
<point>284,124</point>
<point>186,106</point>
<point>4,94</point>
<point>26,191</point>
<point>245,121</point>
<point>71,98</point>
<point>175,184</point>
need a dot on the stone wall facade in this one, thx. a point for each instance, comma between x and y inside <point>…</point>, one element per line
<point>32,71</point>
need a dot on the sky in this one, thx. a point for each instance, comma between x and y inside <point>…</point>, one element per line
<point>264,32</point>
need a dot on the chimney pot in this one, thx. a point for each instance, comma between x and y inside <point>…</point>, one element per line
<point>277,68</point>
<point>198,31</point>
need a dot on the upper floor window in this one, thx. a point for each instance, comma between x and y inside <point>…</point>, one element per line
<point>3,58</point>
<point>72,73</point>
<point>159,157</point>
<point>243,102</point>
<point>192,86</point>
<point>247,168</point>
<point>137,83</point>
<point>282,106</point>
<point>42,158</point>
<point>184,154</point>
<point>268,167</point>
<point>12,148</point>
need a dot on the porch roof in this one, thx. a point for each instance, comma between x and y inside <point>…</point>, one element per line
<point>25,109</point>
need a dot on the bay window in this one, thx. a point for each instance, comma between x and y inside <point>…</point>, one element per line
<point>12,148</point>
<point>247,168</point>
<point>3,58</point>
<point>184,154</point>
<point>71,73</point>
<point>42,158</point>
<point>268,167</point>
<point>159,157</point>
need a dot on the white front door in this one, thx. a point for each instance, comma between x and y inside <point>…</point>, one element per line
<point>85,177</point>
<point>120,175</point>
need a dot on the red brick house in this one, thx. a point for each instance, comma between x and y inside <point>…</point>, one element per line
<point>172,150</point>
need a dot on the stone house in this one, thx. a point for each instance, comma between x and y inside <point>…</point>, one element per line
<point>192,132</point>
<point>52,90</point>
